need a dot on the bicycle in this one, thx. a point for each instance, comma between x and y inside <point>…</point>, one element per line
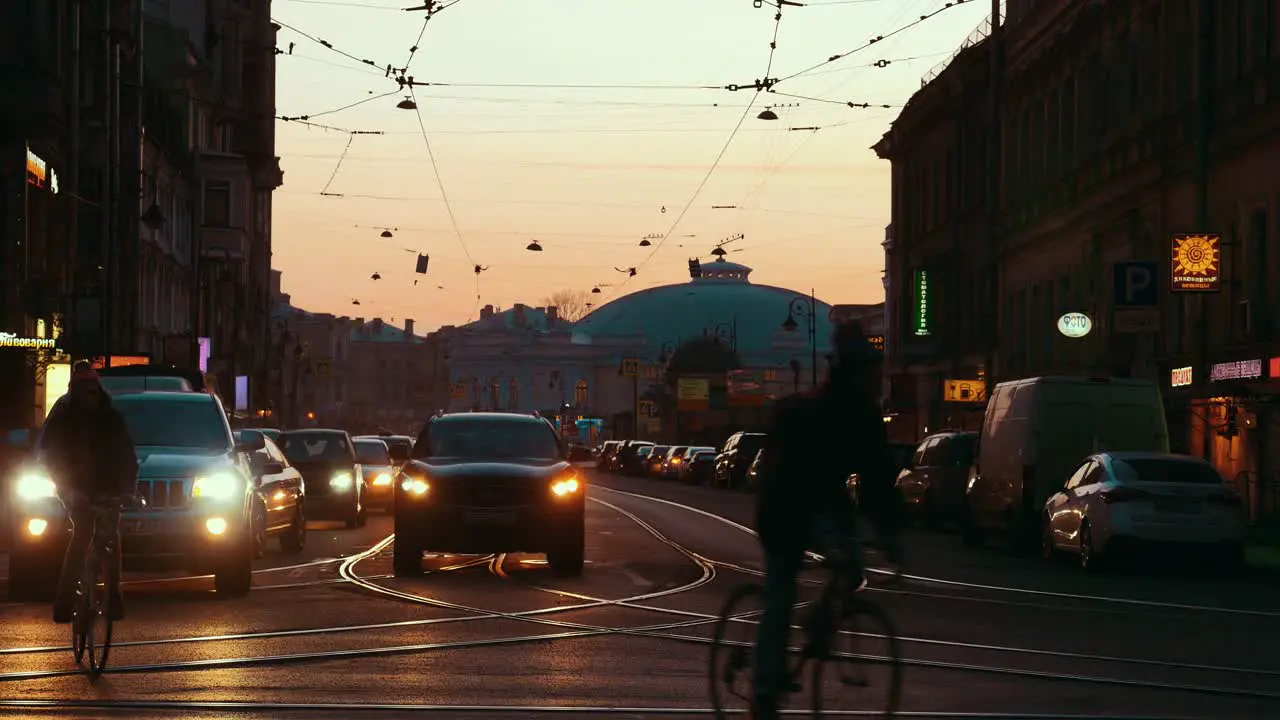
<point>836,615</point>
<point>91,611</point>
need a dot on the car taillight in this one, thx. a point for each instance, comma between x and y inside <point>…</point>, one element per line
<point>1229,500</point>
<point>1124,495</point>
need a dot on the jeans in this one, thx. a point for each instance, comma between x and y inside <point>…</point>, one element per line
<point>773,635</point>
<point>83,518</point>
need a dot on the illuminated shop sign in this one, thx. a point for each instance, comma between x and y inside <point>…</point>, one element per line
<point>920,303</point>
<point>40,174</point>
<point>1181,377</point>
<point>1075,325</point>
<point>1238,370</point>
<point>9,340</point>
<point>1195,263</point>
<point>1275,367</point>
<point>877,341</point>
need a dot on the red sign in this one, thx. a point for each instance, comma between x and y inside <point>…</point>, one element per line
<point>1275,367</point>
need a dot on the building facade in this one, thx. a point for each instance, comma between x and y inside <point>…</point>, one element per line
<point>1125,129</point>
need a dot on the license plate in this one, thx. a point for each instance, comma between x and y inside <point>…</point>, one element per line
<point>491,517</point>
<point>1178,506</point>
<point>138,526</point>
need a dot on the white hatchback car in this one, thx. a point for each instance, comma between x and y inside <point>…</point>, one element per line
<point>1118,501</point>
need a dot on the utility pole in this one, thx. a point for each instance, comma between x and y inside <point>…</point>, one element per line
<point>1205,71</point>
<point>73,161</point>
<point>995,182</point>
<point>110,206</point>
<point>130,188</point>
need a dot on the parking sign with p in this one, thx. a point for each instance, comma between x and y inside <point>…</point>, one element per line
<point>1137,284</point>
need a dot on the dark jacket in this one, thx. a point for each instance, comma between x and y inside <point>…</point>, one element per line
<point>816,442</point>
<point>89,450</point>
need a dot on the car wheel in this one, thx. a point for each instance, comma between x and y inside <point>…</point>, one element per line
<point>31,579</point>
<point>1090,561</point>
<point>970,534</point>
<point>568,560</point>
<point>406,558</point>
<point>235,577</point>
<point>259,525</point>
<point>295,538</point>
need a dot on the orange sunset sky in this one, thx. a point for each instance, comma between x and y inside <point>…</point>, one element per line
<point>577,123</point>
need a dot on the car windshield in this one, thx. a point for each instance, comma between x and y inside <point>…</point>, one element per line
<point>488,439</point>
<point>644,451</point>
<point>704,456</point>
<point>659,451</point>
<point>372,452</point>
<point>400,447</point>
<point>1165,471</point>
<point>137,384</point>
<point>154,421</point>
<point>304,447</point>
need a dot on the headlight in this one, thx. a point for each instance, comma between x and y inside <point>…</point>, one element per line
<point>414,486</point>
<point>220,486</point>
<point>382,480</point>
<point>35,486</point>
<point>567,486</point>
<point>342,481</point>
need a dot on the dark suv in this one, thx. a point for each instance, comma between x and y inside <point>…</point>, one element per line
<point>934,483</point>
<point>735,459</point>
<point>336,488</point>
<point>490,483</point>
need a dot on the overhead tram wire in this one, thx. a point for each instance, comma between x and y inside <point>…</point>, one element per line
<point>358,103</point>
<point>879,38</point>
<point>444,195</point>
<point>330,46</point>
<point>773,49</point>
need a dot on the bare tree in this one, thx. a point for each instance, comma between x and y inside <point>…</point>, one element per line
<point>572,304</point>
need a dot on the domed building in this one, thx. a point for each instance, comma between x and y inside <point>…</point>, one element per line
<point>605,365</point>
<point>723,303</point>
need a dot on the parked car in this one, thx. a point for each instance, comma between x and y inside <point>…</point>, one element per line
<point>628,460</point>
<point>735,458</point>
<point>679,459</point>
<point>933,485</point>
<point>656,459</point>
<point>700,468</point>
<point>1123,502</point>
<point>607,452</point>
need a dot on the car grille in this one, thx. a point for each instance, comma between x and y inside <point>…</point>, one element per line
<point>493,492</point>
<point>165,494</point>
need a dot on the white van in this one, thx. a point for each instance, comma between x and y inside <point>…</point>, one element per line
<point>1037,431</point>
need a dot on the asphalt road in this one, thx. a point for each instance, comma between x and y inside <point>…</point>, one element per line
<point>330,635</point>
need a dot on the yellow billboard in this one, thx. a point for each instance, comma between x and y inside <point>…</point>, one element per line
<point>964,391</point>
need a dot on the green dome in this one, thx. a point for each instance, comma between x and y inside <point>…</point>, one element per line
<point>723,297</point>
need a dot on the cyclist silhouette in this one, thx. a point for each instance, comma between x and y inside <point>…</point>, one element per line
<point>816,441</point>
<point>88,453</point>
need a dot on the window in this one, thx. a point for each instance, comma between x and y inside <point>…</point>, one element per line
<point>580,393</point>
<point>513,394</point>
<point>1078,477</point>
<point>217,203</point>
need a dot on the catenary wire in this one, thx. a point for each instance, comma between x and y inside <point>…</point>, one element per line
<point>840,56</point>
<point>773,49</point>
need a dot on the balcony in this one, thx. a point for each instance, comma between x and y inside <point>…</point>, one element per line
<point>224,243</point>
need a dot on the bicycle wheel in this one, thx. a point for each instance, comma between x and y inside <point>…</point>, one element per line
<point>732,650</point>
<point>100,612</point>
<point>862,664</point>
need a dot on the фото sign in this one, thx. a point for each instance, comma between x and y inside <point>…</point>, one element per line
<point>1237,370</point>
<point>1195,263</point>
<point>920,300</point>
<point>1181,377</point>
<point>1075,325</point>
<point>10,340</point>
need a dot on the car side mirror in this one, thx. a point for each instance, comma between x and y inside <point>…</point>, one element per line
<point>251,441</point>
<point>271,467</point>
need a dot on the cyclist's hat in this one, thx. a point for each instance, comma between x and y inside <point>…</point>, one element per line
<point>853,350</point>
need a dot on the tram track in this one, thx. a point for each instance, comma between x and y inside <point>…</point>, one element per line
<point>662,631</point>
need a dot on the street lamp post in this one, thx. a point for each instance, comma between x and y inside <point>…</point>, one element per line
<point>797,307</point>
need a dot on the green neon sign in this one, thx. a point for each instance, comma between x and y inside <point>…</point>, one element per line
<point>920,302</point>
